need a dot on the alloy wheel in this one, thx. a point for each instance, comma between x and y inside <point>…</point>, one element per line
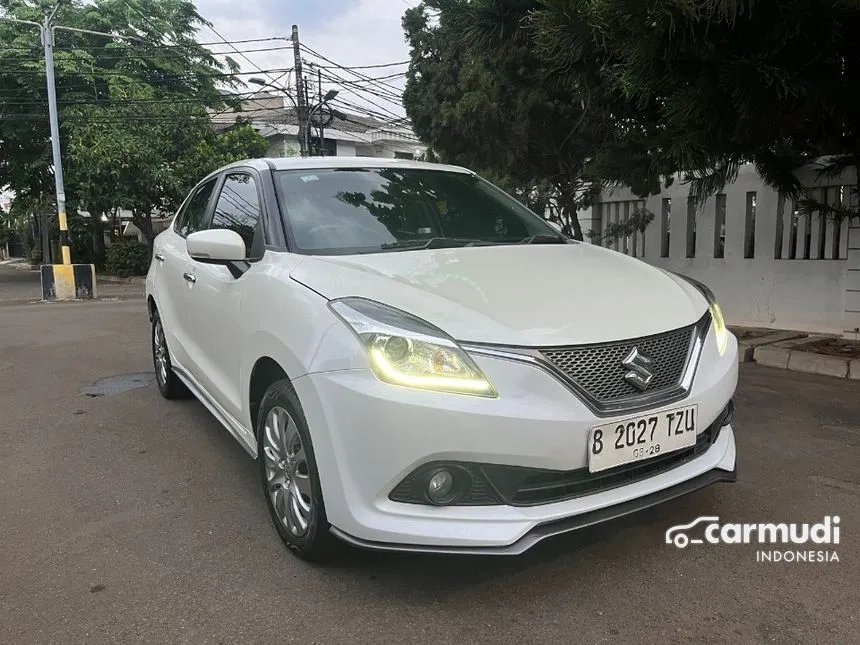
<point>287,473</point>
<point>159,351</point>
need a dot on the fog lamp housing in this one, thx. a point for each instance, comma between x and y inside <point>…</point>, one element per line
<point>445,485</point>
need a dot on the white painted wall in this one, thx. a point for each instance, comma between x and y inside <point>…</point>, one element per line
<point>768,290</point>
<point>345,149</point>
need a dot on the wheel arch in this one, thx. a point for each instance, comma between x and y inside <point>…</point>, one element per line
<point>266,370</point>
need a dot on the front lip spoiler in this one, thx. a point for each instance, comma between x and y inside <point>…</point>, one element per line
<point>556,527</point>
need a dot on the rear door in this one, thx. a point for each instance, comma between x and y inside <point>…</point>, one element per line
<point>175,285</point>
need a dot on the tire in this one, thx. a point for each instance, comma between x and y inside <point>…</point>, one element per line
<point>289,476</point>
<point>166,379</point>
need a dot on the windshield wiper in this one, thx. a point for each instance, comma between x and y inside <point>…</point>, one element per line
<point>432,243</point>
<point>542,239</point>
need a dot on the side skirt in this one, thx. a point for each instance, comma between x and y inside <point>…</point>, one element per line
<point>246,439</point>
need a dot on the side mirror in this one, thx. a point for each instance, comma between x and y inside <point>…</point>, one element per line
<point>216,246</point>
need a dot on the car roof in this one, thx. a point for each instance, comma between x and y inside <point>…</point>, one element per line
<point>309,163</point>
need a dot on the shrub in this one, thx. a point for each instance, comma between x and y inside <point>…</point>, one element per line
<point>34,255</point>
<point>127,258</point>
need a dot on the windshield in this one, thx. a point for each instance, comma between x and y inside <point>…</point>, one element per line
<point>361,210</point>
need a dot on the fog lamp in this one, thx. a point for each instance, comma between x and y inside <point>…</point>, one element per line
<point>440,487</point>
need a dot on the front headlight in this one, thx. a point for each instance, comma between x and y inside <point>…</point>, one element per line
<point>405,350</point>
<point>720,330</point>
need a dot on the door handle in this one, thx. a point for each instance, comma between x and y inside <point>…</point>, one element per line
<point>190,277</point>
<point>159,257</point>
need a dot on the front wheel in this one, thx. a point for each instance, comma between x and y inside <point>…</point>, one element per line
<point>290,477</point>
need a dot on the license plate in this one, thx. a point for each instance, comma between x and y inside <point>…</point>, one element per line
<point>642,437</point>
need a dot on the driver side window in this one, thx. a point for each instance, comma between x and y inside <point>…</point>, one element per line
<point>238,208</point>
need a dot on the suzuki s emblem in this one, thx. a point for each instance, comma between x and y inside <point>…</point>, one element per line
<point>638,363</point>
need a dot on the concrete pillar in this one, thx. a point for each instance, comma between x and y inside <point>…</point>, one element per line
<point>705,229</point>
<point>852,283</point>
<point>766,222</point>
<point>735,221</point>
<point>654,204</point>
<point>590,221</point>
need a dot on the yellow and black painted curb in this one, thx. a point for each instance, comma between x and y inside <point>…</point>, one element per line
<point>68,281</point>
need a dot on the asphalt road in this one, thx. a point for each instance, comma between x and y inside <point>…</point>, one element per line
<point>127,518</point>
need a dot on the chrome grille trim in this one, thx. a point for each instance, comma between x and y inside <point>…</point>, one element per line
<point>607,408</point>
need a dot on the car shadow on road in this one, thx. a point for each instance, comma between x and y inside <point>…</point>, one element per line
<point>577,556</point>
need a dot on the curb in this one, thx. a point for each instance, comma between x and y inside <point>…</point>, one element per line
<point>112,279</point>
<point>784,355</point>
<point>748,347</point>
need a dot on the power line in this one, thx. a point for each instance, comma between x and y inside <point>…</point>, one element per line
<point>387,114</point>
<point>359,93</point>
<point>363,111</point>
<point>405,62</point>
<point>137,53</point>
<point>146,19</point>
<point>383,94</point>
<point>339,66</point>
<point>114,72</point>
<point>178,118</point>
<point>355,89</point>
<point>252,63</point>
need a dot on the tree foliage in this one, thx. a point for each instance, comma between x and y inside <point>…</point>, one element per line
<point>720,82</point>
<point>135,132</point>
<point>492,108</point>
<point>634,92</point>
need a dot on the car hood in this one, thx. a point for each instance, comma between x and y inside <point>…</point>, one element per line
<point>524,295</point>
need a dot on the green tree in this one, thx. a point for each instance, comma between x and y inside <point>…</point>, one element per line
<point>695,87</point>
<point>480,95</point>
<point>131,107</point>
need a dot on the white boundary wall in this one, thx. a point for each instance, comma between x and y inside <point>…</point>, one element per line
<point>793,272</point>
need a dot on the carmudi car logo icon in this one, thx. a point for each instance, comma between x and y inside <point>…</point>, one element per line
<point>677,534</point>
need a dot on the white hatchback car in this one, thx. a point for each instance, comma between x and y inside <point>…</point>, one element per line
<point>420,363</point>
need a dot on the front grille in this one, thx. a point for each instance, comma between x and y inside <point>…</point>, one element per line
<point>597,370</point>
<point>530,487</point>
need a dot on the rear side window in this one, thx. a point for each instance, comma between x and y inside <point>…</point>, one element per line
<point>238,208</point>
<point>191,219</point>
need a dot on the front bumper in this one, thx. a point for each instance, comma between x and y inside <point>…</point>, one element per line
<point>368,436</point>
<point>558,527</point>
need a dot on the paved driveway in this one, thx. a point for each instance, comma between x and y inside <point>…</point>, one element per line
<point>130,519</point>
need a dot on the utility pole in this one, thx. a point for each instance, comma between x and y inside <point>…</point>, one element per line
<point>48,43</point>
<point>322,126</point>
<point>300,91</point>
<point>46,33</point>
<point>308,118</point>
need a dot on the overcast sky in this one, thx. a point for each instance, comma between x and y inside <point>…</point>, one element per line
<point>349,32</point>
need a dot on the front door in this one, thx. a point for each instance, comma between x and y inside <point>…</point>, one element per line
<point>218,296</point>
